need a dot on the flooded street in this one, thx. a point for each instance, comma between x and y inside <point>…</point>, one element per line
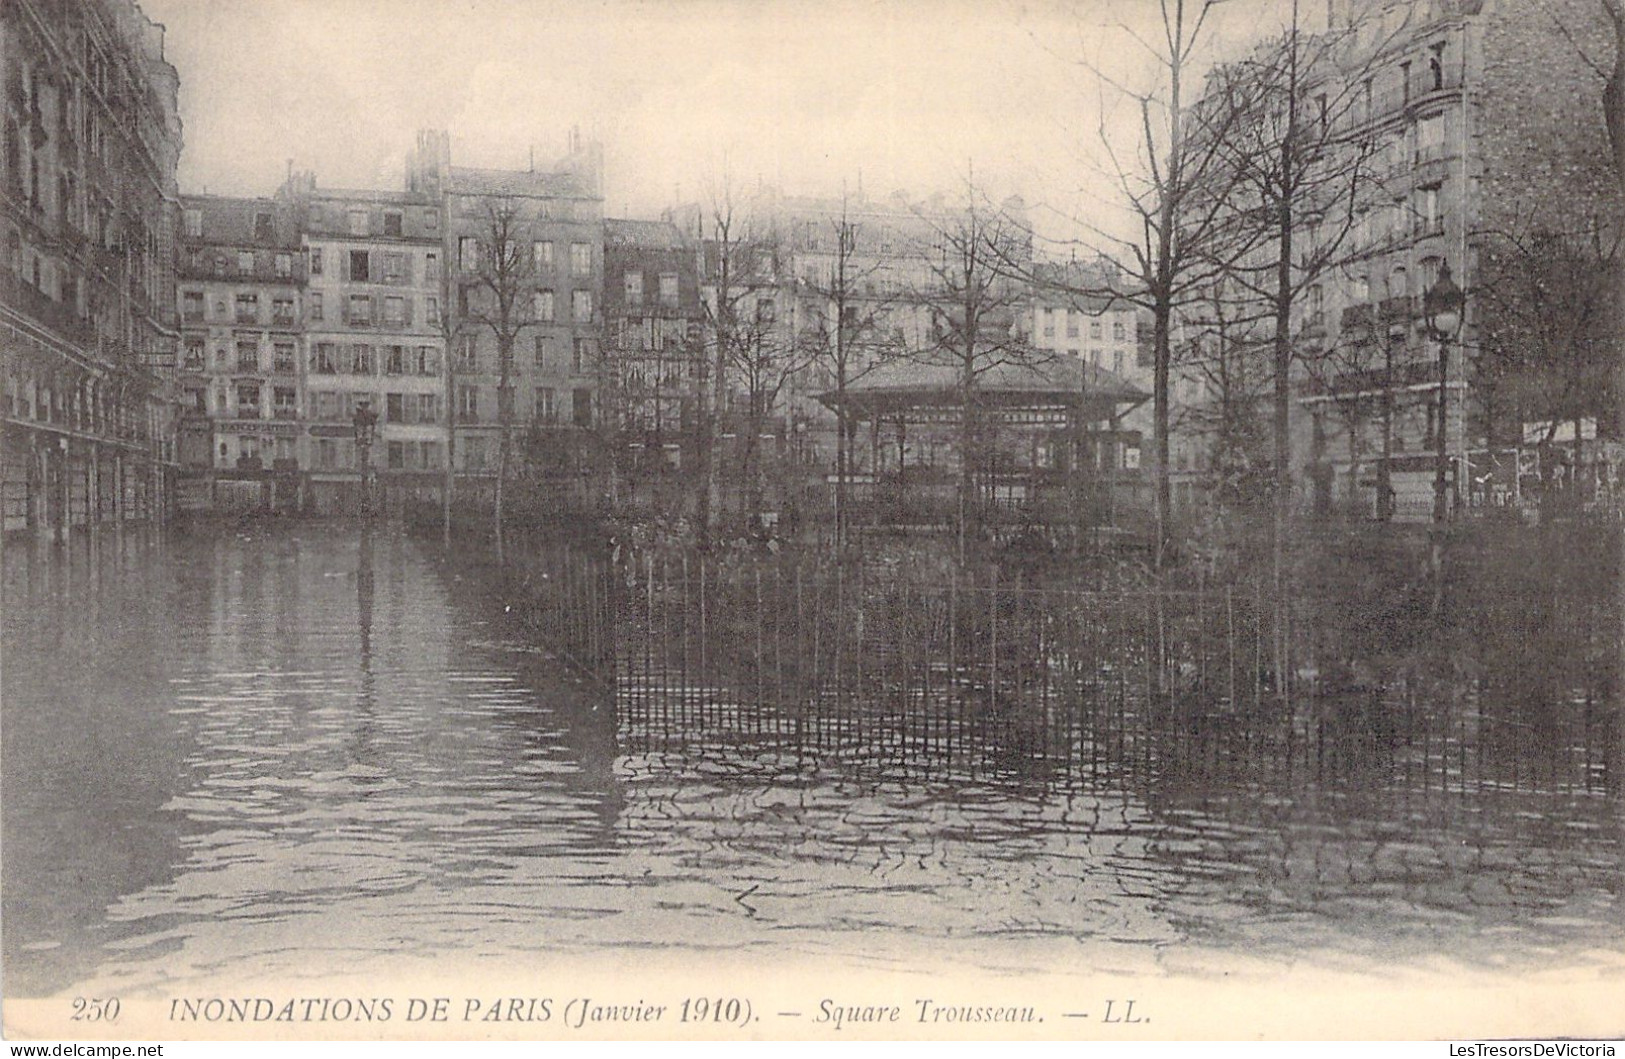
<point>296,749</point>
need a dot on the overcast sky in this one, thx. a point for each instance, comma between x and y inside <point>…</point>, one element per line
<point>902,94</point>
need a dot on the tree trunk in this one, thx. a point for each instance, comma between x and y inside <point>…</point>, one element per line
<point>1162,355</point>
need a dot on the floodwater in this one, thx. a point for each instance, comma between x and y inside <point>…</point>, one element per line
<point>298,749</point>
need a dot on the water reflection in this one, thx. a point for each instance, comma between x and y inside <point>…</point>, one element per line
<point>299,749</point>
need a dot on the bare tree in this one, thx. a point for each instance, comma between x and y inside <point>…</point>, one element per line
<point>1220,355</point>
<point>842,337</point>
<point>1175,181</point>
<point>504,282</point>
<point>973,300</point>
<point>724,290</point>
<point>1305,175</point>
<point>762,358</point>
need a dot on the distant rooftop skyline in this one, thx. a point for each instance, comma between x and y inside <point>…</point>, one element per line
<point>895,94</point>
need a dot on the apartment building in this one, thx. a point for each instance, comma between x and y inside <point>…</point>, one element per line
<point>240,289</point>
<point>374,340</point>
<point>88,204</point>
<point>1477,120</point>
<point>525,252</point>
<point>653,352</point>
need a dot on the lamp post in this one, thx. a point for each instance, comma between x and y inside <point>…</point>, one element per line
<point>1441,311</point>
<point>365,422</point>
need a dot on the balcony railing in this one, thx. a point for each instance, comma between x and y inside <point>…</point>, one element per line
<point>1358,317</point>
<point>286,413</point>
<point>1400,309</point>
<point>1425,227</point>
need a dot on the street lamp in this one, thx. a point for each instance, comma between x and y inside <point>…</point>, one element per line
<point>365,422</point>
<point>1441,311</point>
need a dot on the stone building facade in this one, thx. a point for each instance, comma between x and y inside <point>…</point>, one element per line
<point>374,340</point>
<point>240,289</point>
<point>552,245</point>
<point>653,321</point>
<point>88,205</point>
<point>1478,119</point>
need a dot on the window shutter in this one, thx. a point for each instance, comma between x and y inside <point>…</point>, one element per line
<point>410,272</point>
<point>344,266</point>
<point>411,310</point>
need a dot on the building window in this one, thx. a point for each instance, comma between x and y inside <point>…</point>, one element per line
<point>394,268</point>
<point>315,261</point>
<point>1428,217</point>
<point>468,254</point>
<point>245,262</point>
<point>395,312</point>
<point>634,289</point>
<point>581,407</point>
<point>431,267</point>
<point>392,222</point>
<point>395,360</point>
<point>248,401</point>
<point>1436,65</point>
<point>668,290</point>
<point>431,220</point>
<point>194,354</point>
<point>361,362</point>
<point>264,228</point>
<point>360,266</point>
<point>314,300</point>
<point>284,266</point>
<point>581,305</point>
<point>545,411</point>
<point>283,357</point>
<point>358,222</point>
<point>1071,323</point>
<point>192,306</point>
<point>248,308</point>
<point>194,219</point>
<point>580,259</point>
<point>1094,330</point>
<point>1048,316</point>
<point>431,312</point>
<point>360,307</point>
<point>1405,82</point>
<point>428,360</point>
<point>580,355</point>
<point>468,354</point>
<point>468,404</point>
<point>541,306</point>
<point>1119,333</point>
<point>324,361</point>
<point>541,255</point>
<point>428,408</point>
<point>395,408</point>
<point>397,455</point>
<point>285,403</point>
<point>541,351</point>
<point>282,310</point>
